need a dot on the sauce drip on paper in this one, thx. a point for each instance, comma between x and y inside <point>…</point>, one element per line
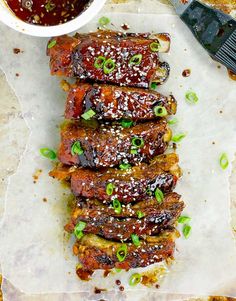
<point>47,12</point>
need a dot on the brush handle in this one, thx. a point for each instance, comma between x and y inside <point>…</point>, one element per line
<point>211,27</point>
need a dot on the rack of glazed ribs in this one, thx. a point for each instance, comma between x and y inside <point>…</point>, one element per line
<point>112,150</point>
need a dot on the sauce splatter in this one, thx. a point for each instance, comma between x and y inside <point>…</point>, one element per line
<point>36,175</point>
<point>121,288</point>
<point>118,282</point>
<point>47,12</point>
<point>99,290</point>
<point>186,73</point>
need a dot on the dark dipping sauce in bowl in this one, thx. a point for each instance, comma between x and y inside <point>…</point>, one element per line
<point>47,12</point>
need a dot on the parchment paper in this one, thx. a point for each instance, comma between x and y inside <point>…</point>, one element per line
<point>35,255</point>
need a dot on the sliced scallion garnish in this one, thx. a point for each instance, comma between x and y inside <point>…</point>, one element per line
<point>191,97</point>
<point>159,195</point>
<point>109,66</point>
<point>136,59</point>
<point>153,85</point>
<point>148,191</point>
<point>78,230</point>
<point>224,162</point>
<point>48,153</point>
<point>177,138</point>
<point>186,230</point>
<point>104,21</point>
<point>99,62</point>
<point>124,166</point>
<point>122,252</point>
<point>88,115</point>
<point>52,44</point>
<point>133,151</point>
<point>183,219</point>
<point>155,46</point>
<point>138,142</point>
<point>126,123</point>
<point>172,121</point>
<point>160,111</point>
<point>110,188</point>
<point>140,214</point>
<point>135,279</point>
<point>135,240</point>
<point>76,149</point>
<point>117,206</point>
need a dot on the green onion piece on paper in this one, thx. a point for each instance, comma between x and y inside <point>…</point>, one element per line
<point>103,21</point>
<point>136,59</point>
<point>172,121</point>
<point>48,153</point>
<point>187,230</point>
<point>224,162</point>
<point>88,115</point>
<point>110,188</point>
<point>138,142</point>
<point>52,44</point>
<point>155,46</point>
<point>135,279</point>
<point>159,195</point>
<point>117,206</point>
<point>183,219</point>
<point>179,137</point>
<point>109,66</point>
<point>99,62</point>
<point>122,252</point>
<point>135,240</point>
<point>191,97</point>
<point>76,149</point>
<point>160,111</point>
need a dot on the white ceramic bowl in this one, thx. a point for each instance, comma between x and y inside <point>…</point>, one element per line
<point>7,17</point>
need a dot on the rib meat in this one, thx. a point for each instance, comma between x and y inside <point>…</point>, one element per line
<point>113,102</point>
<point>129,185</point>
<point>76,57</point>
<point>103,221</point>
<point>111,145</point>
<point>95,252</point>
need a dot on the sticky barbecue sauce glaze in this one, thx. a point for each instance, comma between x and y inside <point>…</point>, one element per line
<point>47,12</point>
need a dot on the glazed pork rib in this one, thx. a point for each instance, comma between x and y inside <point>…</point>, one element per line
<point>110,224</point>
<point>134,184</point>
<point>111,145</point>
<point>95,252</point>
<point>128,60</point>
<point>114,102</point>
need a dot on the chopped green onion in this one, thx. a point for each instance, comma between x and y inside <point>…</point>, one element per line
<point>104,21</point>
<point>186,230</point>
<point>118,270</point>
<point>133,151</point>
<point>177,138</point>
<point>109,66</point>
<point>110,188</point>
<point>183,219</point>
<point>135,240</point>
<point>99,62</point>
<point>191,97</point>
<point>172,121</point>
<point>52,44</point>
<point>89,114</point>
<point>160,111</point>
<point>49,6</point>
<point>155,46</point>
<point>76,149</point>
<point>135,279</point>
<point>48,153</point>
<point>224,162</point>
<point>137,142</point>
<point>140,214</point>
<point>126,123</point>
<point>159,195</point>
<point>78,230</point>
<point>136,59</point>
<point>149,192</point>
<point>122,252</point>
<point>153,85</point>
<point>124,166</point>
<point>117,206</point>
